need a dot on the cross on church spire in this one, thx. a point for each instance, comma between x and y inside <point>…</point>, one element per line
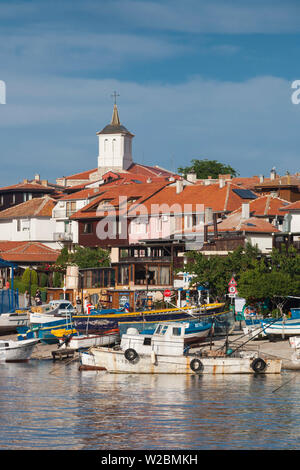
<point>114,96</point>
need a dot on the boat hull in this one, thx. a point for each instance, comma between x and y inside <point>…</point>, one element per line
<point>9,322</point>
<point>141,320</point>
<point>87,341</point>
<point>17,351</point>
<point>114,361</point>
<point>287,329</point>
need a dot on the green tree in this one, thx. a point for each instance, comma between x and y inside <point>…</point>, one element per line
<point>29,277</point>
<point>85,257</point>
<point>205,168</point>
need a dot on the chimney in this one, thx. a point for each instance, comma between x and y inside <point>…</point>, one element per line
<point>37,177</point>
<point>25,181</point>
<point>171,178</point>
<point>149,180</point>
<point>179,186</point>
<point>245,210</point>
<point>221,183</point>
<point>261,178</point>
<point>273,174</point>
<point>191,177</point>
<point>208,216</point>
<point>45,182</point>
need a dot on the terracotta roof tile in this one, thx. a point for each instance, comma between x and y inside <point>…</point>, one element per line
<point>36,207</point>
<point>27,252</point>
<point>235,223</point>
<point>295,206</point>
<point>134,193</point>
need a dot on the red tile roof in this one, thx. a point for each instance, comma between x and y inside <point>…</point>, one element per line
<point>267,205</point>
<point>34,187</point>
<point>27,252</point>
<point>235,223</point>
<point>295,206</point>
<point>134,194</point>
<point>219,199</point>
<point>37,207</point>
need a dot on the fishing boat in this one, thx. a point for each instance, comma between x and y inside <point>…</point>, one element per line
<point>10,322</point>
<point>17,351</point>
<point>45,313</point>
<point>286,326</point>
<point>85,341</point>
<point>165,352</point>
<point>44,331</point>
<point>195,331</point>
<point>140,320</point>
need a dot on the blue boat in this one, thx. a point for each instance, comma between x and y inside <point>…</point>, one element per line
<point>141,319</point>
<point>288,325</point>
<point>43,330</point>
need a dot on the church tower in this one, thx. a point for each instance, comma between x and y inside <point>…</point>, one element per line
<point>115,146</point>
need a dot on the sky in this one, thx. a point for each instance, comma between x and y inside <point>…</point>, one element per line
<point>197,79</point>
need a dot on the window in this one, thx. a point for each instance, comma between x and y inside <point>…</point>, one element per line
<point>71,208</point>
<point>176,331</point>
<point>1,200</point>
<point>123,275</point>
<point>88,227</point>
<point>147,341</point>
<point>27,196</point>
<point>18,225</point>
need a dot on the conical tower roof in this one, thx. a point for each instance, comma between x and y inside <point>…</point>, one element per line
<point>115,126</point>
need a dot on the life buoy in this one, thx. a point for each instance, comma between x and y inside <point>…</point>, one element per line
<point>131,354</point>
<point>196,365</point>
<point>258,365</point>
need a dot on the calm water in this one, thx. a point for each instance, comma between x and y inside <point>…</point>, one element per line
<point>46,405</point>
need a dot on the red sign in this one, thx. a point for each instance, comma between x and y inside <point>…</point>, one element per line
<point>232,290</point>
<point>232,282</point>
<point>167,293</point>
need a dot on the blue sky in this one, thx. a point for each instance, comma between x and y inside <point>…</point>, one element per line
<point>197,79</point>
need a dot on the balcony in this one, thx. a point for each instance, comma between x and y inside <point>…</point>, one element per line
<point>62,237</point>
<point>62,213</point>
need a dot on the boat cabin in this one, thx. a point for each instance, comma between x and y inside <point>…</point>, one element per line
<point>167,339</point>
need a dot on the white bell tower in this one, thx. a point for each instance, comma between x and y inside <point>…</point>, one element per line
<point>115,146</point>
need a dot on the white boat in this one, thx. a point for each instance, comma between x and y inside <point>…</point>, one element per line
<point>89,340</point>
<point>285,329</point>
<point>48,312</point>
<point>17,351</point>
<point>10,321</point>
<point>165,352</point>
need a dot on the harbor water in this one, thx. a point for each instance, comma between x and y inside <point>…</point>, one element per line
<point>54,406</point>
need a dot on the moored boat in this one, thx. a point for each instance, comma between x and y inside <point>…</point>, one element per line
<point>165,352</point>
<point>143,319</point>
<point>17,351</point>
<point>286,326</point>
<point>85,341</point>
<point>194,331</point>
<point>9,322</point>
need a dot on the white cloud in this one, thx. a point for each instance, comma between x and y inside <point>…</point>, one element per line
<point>251,125</point>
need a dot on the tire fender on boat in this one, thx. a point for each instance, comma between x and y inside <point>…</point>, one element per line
<point>258,365</point>
<point>131,354</point>
<point>196,365</point>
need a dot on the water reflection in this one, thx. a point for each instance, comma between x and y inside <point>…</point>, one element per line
<point>45,405</point>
